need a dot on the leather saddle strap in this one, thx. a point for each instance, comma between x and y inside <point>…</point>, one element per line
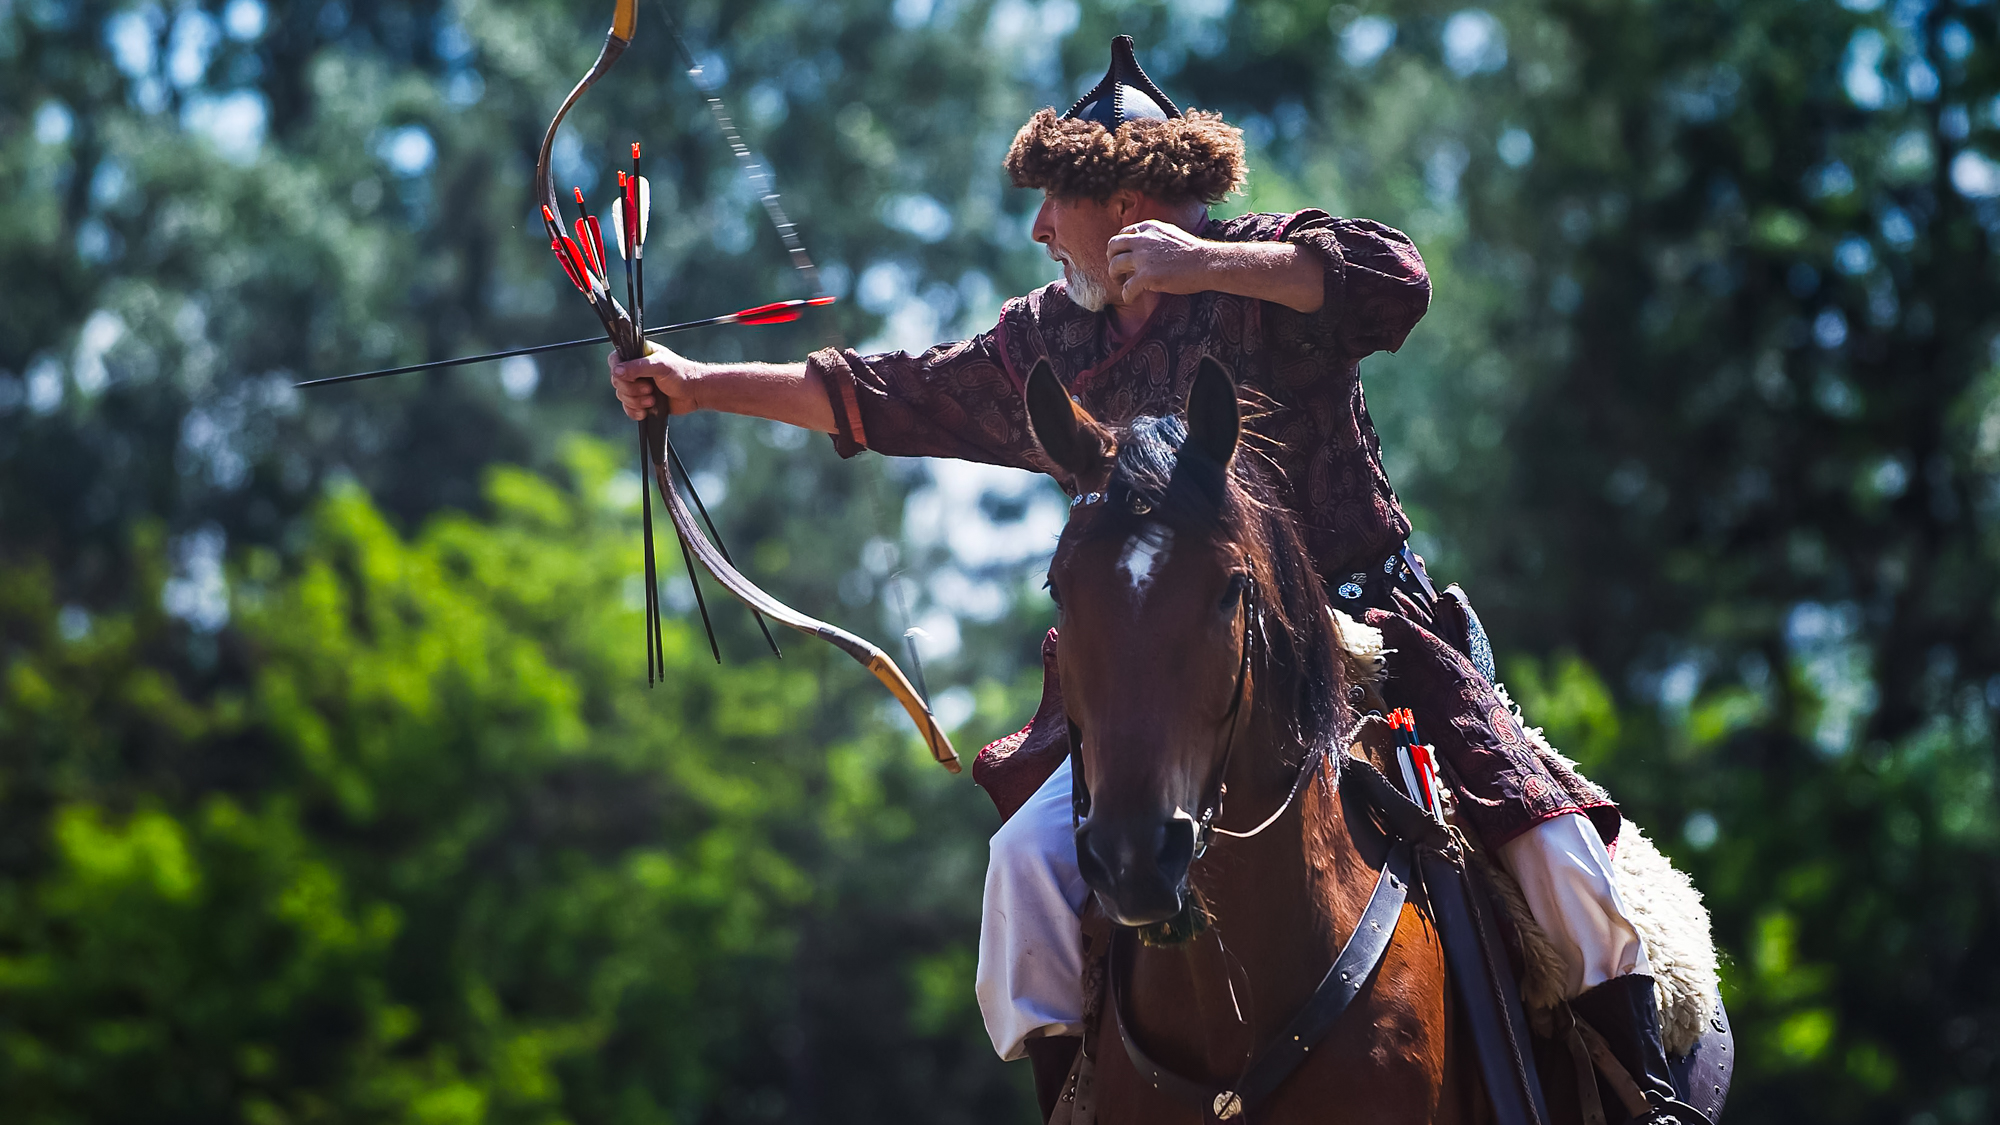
<point>1269,1069</point>
<point>1587,1097</point>
<point>1399,814</point>
<point>1343,982</point>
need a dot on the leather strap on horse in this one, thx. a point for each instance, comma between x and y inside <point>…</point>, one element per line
<point>1400,815</point>
<point>1590,1104</point>
<point>1486,987</point>
<point>1462,911</point>
<point>1479,969</point>
<point>1276,1062</point>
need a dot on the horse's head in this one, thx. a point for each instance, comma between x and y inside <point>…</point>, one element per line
<point>1181,586</point>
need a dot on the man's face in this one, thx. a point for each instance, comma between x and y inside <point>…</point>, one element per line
<point>1076,232</point>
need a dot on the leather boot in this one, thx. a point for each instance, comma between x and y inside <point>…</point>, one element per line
<point>1052,1056</point>
<point>1624,1011</point>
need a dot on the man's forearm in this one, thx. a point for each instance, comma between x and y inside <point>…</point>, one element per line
<point>782,392</point>
<point>1283,273</point>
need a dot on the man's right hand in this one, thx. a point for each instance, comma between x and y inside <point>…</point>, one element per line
<point>641,383</point>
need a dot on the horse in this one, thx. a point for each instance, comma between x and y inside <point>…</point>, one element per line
<point>1210,722</point>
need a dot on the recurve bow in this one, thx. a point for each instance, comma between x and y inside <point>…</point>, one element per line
<point>624,334</point>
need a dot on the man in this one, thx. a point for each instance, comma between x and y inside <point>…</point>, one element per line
<point>1290,304</point>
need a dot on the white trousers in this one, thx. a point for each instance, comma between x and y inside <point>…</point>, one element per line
<point>1030,979</point>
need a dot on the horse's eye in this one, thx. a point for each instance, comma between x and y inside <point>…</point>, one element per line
<point>1233,594</point>
<point>1055,595</point>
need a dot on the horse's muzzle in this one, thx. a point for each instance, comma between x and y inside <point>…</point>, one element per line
<point>1139,870</point>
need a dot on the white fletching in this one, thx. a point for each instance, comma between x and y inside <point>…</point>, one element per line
<point>645,207</point>
<point>618,225</point>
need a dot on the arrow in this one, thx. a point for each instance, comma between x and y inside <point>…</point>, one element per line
<point>779,312</point>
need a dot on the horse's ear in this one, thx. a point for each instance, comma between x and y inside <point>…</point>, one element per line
<point>1075,441</point>
<point>1214,422</point>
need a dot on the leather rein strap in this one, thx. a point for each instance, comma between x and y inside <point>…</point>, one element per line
<point>1276,1062</point>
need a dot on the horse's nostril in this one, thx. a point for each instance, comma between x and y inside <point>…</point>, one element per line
<point>1088,863</point>
<point>1176,848</point>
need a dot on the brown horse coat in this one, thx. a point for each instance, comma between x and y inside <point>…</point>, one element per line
<point>1393,1057</point>
<point>1202,667</point>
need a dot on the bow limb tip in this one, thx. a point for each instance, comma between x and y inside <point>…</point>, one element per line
<point>899,686</point>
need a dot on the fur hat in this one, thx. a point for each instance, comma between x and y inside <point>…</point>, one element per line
<point>1126,133</point>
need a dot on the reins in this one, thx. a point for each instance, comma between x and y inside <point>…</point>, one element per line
<point>1212,806</point>
<point>1307,768</point>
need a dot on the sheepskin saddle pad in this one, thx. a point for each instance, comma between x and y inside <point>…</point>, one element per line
<point>1660,900</point>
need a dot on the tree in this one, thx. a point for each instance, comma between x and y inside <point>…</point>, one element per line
<point>430,856</point>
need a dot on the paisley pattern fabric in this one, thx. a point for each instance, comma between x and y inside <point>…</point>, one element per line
<point>1505,785</point>
<point>1299,374</point>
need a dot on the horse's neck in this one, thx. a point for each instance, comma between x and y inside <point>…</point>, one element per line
<point>1268,944</point>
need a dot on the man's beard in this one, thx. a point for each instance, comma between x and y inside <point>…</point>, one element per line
<point>1089,293</point>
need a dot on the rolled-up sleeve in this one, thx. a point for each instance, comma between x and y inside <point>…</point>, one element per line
<point>1376,285</point>
<point>955,400</point>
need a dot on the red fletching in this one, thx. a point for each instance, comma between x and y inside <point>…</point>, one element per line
<point>577,262</point>
<point>597,244</point>
<point>569,267</point>
<point>583,239</point>
<point>781,312</point>
<point>630,201</point>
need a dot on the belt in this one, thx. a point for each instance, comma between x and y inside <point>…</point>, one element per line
<point>1401,570</point>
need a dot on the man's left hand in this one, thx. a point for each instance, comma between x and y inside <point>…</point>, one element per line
<point>1157,257</point>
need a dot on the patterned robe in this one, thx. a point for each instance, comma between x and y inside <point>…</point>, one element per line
<point>1302,371</point>
<point>1300,377</point>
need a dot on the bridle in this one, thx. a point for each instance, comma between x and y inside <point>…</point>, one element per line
<point>1205,827</point>
<point>1211,806</point>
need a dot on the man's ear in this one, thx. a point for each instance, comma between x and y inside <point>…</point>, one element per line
<point>1125,206</point>
<point>1214,422</point>
<point>1075,441</point>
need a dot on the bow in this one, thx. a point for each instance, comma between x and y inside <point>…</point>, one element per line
<point>585,265</point>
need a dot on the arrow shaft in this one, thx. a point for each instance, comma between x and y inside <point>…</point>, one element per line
<point>662,330</point>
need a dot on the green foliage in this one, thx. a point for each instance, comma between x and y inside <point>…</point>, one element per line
<point>1571,704</point>
<point>439,859</point>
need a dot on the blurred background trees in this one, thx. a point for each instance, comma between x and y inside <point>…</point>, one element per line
<point>329,788</point>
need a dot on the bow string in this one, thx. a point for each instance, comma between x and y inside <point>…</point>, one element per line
<point>585,266</point>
